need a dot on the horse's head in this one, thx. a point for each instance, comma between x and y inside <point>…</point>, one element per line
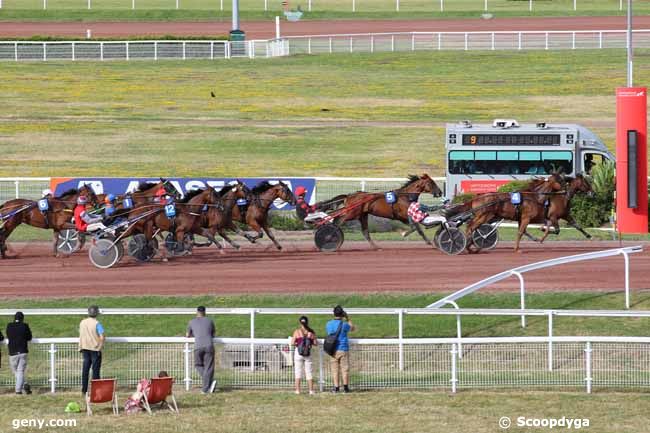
<point>88,191</point>
<point>555,182</point>
<point>240,189</point>
<point>580,184</point>
<point>430,185</point>
<point>285,193</point>
<point>418,184</point>
<point>169,188</point>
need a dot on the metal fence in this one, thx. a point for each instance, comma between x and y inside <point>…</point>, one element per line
<point>483,41</point>
<point>321,5</point>
<point>534,362</point>
<point>139,50</point>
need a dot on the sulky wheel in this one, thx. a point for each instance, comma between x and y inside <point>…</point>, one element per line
<point>451,241</point>
<point>142,250</point>
<point>485,237</point>
<point>328,238</point>
<point>104,253</point>
<point>69,241</point>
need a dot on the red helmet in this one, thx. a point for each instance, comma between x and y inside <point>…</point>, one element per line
<point>161,191</point>
<point>300,190</point>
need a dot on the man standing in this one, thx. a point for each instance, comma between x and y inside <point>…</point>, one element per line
<point>19,334</point>
<point>202,329</point>
<point>341,324</point>
<point>91,342</point>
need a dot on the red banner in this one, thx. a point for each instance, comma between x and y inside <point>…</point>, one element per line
<point>631,109</point>
<point>481,186</point>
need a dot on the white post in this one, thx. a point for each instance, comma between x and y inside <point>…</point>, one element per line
<point>133,4</point>
<point>588,377</point>
<point>354,5</point>
<point>252,354</point>
<point>363,185</point>
<point>600,39</point>
<point>277,27</point>
<point>89,4</point>
<point>44,51</point>
<point>17,185</point>
<point>486,6</point>
<point>221,4</point>
<point>454,379</point>
<point>0,4</point>
<point>52,368</point>
<point>627,279</point>
<point>573,40</point>
<point>186,364</point>
<point>397,5</point>
<point>546,41</point>
<point>211,50</point>
<point>522,296</point>
<point>309,5</point>
<point>350,43</point>
<point>177,1</point>
<point>127,51</point>
<point>530,5</point>
<point>400,336</point>
<point>183,50</point>
<point>309,46</point>
<point>101,51</point>
<point>266,5</point>
<point>620,5</point>
<point>372,44</point>
<point>519,40</point>
<point>442,6</point>
<point>44,4</point>
<point>392,42</point>
<point>466,39</point>
<point>155,50</point>
<point>550,343</point>
<point>575,5</point>
<point>459,335</point>
<point>73,56</point>
<point>330,42</point>
<point>321,376</point>
<point>16,54</point>
<point>493,46</point>
<point>413,42</point>
<point>629,43</point>
<point>439,41</point>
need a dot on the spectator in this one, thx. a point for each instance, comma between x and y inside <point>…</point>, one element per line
<point>135,403</point>
<point>303,339</point>
<point>19,334</point>
<point>341,358</point>
<point>91,342</point>
<point>202,329</point>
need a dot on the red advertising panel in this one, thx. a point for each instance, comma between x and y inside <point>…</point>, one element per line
<point>631,160</point>
<point>481,186</point>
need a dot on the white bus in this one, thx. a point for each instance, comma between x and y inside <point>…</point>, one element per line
<point>482,157</point>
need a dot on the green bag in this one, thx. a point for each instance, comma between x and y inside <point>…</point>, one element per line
<point>72,407</point>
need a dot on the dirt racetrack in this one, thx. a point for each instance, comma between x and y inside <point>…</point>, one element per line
<point>400,266</point>
<point>266,29</point>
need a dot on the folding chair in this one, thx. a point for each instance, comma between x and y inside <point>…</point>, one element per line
<point>102,391</point>
<point>159,390</point>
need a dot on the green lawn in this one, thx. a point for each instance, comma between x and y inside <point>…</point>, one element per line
<point>372,412</point>
<point>274,326</point>
<point>275,116</point>
<point>165,10</point>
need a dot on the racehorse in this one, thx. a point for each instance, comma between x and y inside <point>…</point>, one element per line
<point>57,216</point>
<point>259,202</point>
<point>559,207</point>
<point>491,206</point>
<point>218,218</point>
<point>187,218</point>
<point>360,204</point>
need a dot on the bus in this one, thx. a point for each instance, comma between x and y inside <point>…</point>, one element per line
<point>482,157</point>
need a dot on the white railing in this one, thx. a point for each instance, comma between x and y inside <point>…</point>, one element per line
<point>399,5</point>
<point>484,41</point>
<point>519,271</point>
<point>427,363</point>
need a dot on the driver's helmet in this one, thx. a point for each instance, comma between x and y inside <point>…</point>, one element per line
<point>300,190</point>
<point>110,198</point>
<point>46,192</point>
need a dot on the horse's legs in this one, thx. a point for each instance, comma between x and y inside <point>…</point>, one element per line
<point>523,223</point>
<point>531,237</point>
<point>418,228</point>
<point>242,233</point>
<point>54,243</point>
<point>575,225</point>
<point>364,229</point>
<point>210,235</point>
<point>223,234</point>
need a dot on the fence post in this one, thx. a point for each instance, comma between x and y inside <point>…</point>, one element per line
<point>363,185</point>
<point>183,50</point>
<point>330,45</point>
<point>221,4</point>
<point>575,5</point>
<point>486,6</point>
<point>73,56</point>
<point>351,44</point>
<point>519,41</point>
<point>186,365</point>
<point>17,185</point>
<point>44,4</point>
<point>454,374</point>
<point>266,5</point>
<point>16,52</point>
<point>354,5</point>
<point>400,336</point>
<point>439,41</point>
<point>627,279</point>
<point>212,50</point>
<point>459,335</point>
<point>493,46</point>
<point>133,4</point>
<point>321,377</point>
<point>442,6</point>
<point>466,40</point>
<point>620,5</point>
<point>101,51</point>
<point>309,6</point>
<point>522,296</point>
<point>89,4</point>
<point>413,42</point>
<point>308,45</point>
<point>546,41</point>
<point>372,43</point>
<point>550,341</point>
<point>127,51</point>
<point>397,5</point>
<point>252,354</point>
<point>226,49</point>
<point>600,40</point>
<point>530,5</point>
<point>44,51</point>
<point>177,1</point>
<point>392,42</point>
<point>573,40</point>
<point>155,50</point>
<point>52,368</point>
<point>588,377</point>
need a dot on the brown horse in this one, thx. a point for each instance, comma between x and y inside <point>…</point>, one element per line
<point>58,216</point>
<point>491,206</point>
<point>559,207</point>
<point>218,218</point>
<point>259,202</point>
<point>359,205</point>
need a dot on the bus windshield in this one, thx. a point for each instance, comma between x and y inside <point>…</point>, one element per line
<point>510,162</point>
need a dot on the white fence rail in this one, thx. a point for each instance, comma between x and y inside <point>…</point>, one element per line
<point>483,41</point>
<point>515,362</point>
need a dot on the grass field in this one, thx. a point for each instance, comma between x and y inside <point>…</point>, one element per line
<point>165,10</point>
<point>273,326</point>
<point>288,115</point>
<point>376,412</point>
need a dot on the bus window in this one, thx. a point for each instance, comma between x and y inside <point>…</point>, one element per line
<point>590,160</point>
<point>530,163</point>
<point>558,162</point>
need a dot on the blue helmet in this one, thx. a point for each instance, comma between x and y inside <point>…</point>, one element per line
<point>110,197</point>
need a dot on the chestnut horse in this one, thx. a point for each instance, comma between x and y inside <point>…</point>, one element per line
<point>491,206</point>
<point>259,202</point>
<point>218,218</point>
<point>58,216</point>
<point>361,204</point>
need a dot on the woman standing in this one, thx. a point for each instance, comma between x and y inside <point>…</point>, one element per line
<point>303,339</point>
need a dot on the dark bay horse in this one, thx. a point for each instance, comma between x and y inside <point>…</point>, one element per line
<point>361,204</point>
<point>491,206</point>
<point>58,216</point>
<point>255,215</point>
<point>218,218</point>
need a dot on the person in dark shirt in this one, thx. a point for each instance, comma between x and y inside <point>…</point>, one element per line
<point>19,334</point>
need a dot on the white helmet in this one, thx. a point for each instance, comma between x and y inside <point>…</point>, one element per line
<point>47,192</point>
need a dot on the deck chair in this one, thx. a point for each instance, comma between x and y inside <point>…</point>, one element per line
<point>102,391</point>
<point>159,390</point>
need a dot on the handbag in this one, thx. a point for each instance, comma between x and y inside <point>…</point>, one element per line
<point>329,345</point>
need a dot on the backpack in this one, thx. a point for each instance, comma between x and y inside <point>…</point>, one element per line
<point>329,345</point>
<point>304,348</point>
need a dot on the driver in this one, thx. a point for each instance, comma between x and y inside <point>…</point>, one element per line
<point>304,211</point>
<point>83,221</point>
<point>426,215</point>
